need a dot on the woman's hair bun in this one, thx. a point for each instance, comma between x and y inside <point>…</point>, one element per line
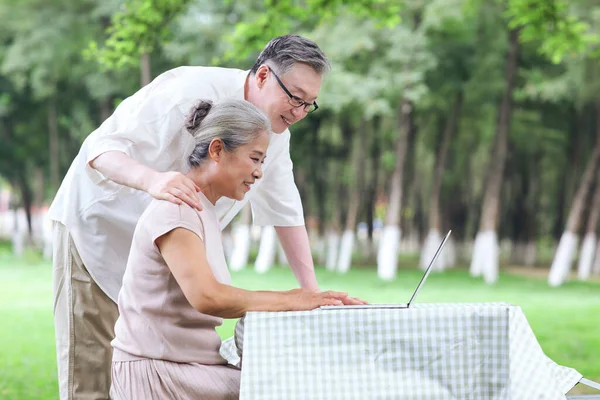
<point>197,115</point>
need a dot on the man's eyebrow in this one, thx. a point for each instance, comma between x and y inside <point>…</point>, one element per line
<point>299,89</point>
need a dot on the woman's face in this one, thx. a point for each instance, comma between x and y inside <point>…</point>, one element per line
<point>241,168</point>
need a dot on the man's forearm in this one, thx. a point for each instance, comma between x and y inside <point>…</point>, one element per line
<point>124,170</point>
<point>294,240</point>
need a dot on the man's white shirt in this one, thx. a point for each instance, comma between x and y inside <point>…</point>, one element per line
<point>101,215</point>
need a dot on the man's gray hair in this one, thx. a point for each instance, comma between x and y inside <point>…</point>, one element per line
<point>285,51</point>
<point>235,122</point>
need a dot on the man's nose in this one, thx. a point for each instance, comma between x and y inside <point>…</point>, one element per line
<point>298,112</point>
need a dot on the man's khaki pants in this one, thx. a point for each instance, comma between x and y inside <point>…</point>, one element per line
<point>84,320</point>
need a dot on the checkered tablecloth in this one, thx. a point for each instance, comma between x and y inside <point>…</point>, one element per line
<point>431,351</point>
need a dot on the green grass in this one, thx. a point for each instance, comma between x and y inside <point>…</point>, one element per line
<point>566,320</point>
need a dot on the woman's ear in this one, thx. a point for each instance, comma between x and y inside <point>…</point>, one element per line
<point>216,149</point>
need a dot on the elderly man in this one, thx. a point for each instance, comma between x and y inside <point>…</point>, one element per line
<point>119,169</point>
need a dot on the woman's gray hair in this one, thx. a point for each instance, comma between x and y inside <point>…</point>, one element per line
<point>284,51</point>
<point>235,122</point>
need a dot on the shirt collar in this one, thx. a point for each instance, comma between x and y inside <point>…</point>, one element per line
<point>205,202</point>
<point>240,81</point>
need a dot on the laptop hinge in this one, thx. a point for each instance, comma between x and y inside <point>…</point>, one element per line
<point>589,383</point>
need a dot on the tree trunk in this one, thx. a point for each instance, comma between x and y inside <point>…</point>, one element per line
<point>267,250</point>
<point>530,248</point>
<point>596,267</point>
<point>241,241</point>
<point>27,197</point>
<point>333,230</point>
<point>347,246</point>
<point>588,248</point>
<point>105,109</point>
<point>53,145</point>
<point>411,187</point>
<point>570,178</point>
<point>561,265</point>
<point>387,257</point>
<point>145,69</point>
<point>485,252</point>
<point>372,189</point>
<point>525,203</point>
<point>434,237</point>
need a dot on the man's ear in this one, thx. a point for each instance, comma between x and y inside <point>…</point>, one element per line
<point>216,149</point>
<point>261,75</point>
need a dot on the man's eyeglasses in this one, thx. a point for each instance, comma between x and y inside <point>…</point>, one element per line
<point>295,100</point>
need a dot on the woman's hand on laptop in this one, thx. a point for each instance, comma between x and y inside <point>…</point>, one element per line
<point>349,301</point>
<point>353,301</point>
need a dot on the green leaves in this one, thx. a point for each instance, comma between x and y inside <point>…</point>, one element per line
<point>136,29</point>
<point>561,33</point>
<point>279,17</point>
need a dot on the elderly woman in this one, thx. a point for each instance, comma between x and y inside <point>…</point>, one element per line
<point>176,287</point>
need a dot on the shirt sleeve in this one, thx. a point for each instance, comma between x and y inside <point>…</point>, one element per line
<point>167,216</point>
<point>144,124</point>
<point>277,200</point>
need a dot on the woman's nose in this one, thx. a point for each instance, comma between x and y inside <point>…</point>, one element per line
<point>258,173</point>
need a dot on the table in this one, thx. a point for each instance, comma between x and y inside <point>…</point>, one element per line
<point>430,351</point>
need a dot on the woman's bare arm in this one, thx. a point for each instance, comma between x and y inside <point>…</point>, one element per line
<point>184,253</point>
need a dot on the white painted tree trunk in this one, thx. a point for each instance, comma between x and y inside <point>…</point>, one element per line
<point>345,256</point>
<point>387,256</point>
<point>267,250</point>
<point>7,223</point>
<point>561,265</point>
<point>596,267</point>
<point>19,233</point>
<point>333,242</point>
<point>586,257</point>
<point>477,257</point>
<point>432,242</point>
<point>485,256</point>
<point>18,243</point>
<point>241,247</point>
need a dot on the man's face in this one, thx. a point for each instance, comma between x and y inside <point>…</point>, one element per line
<point>302,82</point>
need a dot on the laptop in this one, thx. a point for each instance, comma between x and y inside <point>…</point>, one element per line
<point>427,271</point>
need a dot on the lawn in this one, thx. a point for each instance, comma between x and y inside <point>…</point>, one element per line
<point>566,320</point>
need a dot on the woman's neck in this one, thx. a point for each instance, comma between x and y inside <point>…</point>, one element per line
<point>203,177</point>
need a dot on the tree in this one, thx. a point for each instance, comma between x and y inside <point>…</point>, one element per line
<point>135,32</point>
<point>588,248</point>
<point>485,252</point>
<point>561,265</point>
<point>412,66</point>
<point>452,40</point>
